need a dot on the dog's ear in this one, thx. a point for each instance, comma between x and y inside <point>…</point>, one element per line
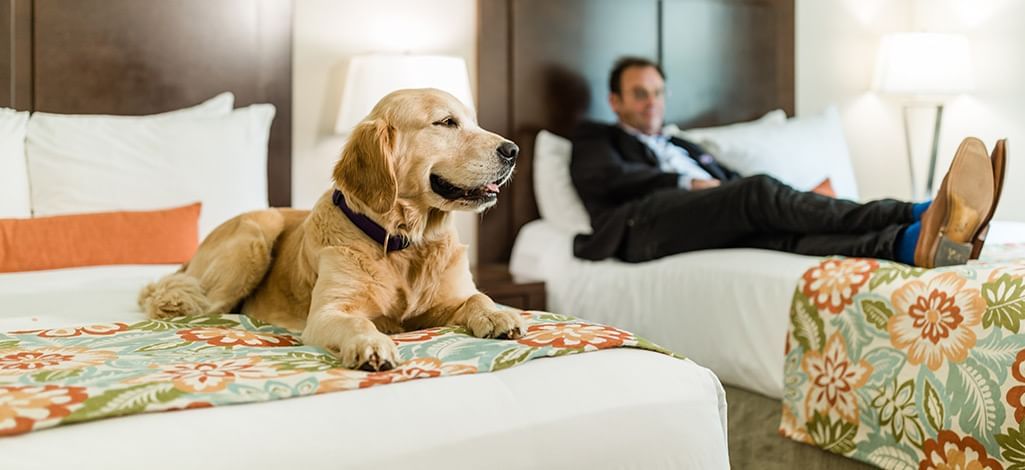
<point>366,170</point>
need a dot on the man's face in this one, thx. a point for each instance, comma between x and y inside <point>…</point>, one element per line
<point>642,101</point>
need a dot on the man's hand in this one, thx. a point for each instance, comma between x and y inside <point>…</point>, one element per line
<point>697,184</point>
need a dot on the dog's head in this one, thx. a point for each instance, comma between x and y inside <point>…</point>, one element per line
<point>424,147</point>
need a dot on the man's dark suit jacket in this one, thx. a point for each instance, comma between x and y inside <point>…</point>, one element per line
<point>612,171</point>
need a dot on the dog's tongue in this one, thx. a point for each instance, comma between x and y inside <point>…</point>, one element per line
<point>491,187</point>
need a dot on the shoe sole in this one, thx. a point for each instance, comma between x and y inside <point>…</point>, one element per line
<point>999,170</point>
<point>969,201</point>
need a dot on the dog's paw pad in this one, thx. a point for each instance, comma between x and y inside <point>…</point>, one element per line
<point>369,353</point>
<point>497,324</point>
<point>375,364</point>
<point>514,333</point>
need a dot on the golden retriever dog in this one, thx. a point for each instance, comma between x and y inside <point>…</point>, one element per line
<point>417,157</point>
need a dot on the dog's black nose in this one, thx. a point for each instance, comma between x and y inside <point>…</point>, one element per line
<point>508,151</point>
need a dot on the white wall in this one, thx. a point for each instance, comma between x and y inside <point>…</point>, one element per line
<point>836,46</point>
<point>836,43</point>
<point>326,34</point>
<point>996,109</point>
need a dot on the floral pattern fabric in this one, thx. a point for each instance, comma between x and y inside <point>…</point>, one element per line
<point>908,368</point>
<point>67,375</point>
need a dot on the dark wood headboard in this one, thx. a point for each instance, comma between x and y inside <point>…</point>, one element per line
<point>140,57</point>
<point>544,64</point>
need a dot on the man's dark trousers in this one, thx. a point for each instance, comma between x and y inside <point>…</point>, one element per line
<point>761,212</point>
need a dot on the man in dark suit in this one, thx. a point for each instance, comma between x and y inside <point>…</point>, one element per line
<point>651,196</point>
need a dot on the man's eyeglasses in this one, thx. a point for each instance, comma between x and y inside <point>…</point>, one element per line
<point>641,94</point>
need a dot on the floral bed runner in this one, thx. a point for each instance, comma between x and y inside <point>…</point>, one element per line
<point>60,376</point>
<point>903,367</point>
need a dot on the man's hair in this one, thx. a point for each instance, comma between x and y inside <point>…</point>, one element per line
<point>615,77</point>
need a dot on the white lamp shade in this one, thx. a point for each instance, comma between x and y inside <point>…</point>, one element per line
<point>371,77</point>
<point>924,64</point>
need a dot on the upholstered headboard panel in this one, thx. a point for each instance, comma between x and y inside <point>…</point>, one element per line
<point>544,65</point>
<point>142,57</point>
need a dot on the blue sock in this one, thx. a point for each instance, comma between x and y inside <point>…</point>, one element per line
<point>918,209</point>
<point>907,240</point>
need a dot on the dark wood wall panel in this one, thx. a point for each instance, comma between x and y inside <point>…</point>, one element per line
<point>132,57</point>
<point>544,65</point>
<point>16,54</point>
<point>560,71</point>
<point>136,57</point>
<point>494,108</point>
<point>549,72</point>
<point>493,80</point>
<point>6,57</point>
<point>722,65</point>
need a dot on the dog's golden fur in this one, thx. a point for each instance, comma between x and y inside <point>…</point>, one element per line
<point>317,272</point>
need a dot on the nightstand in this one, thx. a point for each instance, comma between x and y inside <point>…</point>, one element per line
<point>495,281</point>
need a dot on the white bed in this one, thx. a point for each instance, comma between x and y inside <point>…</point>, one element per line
<point>726,309</point>
<point>610,409</point>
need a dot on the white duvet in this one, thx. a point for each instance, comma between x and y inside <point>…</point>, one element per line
<point>611,409</point>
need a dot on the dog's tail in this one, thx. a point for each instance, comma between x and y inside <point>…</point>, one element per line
<point>175,295</point>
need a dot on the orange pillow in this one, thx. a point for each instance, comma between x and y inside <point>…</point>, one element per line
<point>166,236</point>
<point>825,188</point>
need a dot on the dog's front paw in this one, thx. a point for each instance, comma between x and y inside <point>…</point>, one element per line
<point>370,352</point>
<point>495,323</point>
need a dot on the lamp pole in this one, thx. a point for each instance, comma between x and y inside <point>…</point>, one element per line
<point>918,192</point>
<point>935,148</point>
<point>923,64</point>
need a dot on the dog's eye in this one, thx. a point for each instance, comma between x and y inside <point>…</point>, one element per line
<point>447,122</point>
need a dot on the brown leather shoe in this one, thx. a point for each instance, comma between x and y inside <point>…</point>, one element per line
<point>955,218</point>
<point>999,159</point>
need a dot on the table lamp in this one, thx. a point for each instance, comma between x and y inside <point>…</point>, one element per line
<point>925,68</point>
<point>371,77</point>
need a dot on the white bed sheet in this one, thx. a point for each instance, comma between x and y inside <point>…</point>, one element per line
<point>611,409</point>
<point>726,309</point>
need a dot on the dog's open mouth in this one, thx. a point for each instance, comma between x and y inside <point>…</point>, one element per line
<point>450,191</point>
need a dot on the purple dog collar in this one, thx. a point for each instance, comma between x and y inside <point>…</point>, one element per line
<point>369,227</point>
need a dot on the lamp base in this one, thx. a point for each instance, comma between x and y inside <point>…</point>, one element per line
<point>923,183</point>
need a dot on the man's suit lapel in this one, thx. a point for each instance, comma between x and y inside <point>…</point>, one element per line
<point>633,148</point>
<point>705,161</point>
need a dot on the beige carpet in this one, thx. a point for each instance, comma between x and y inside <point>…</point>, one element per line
<point>756,444</point>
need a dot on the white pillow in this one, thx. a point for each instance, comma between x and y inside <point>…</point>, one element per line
<point>219,105</point>
<point>14,193</point>
<point>96,163</point>
<point>771,118</point>
<point>15,200</point>
<point>557,199</point>
<point>801,152</point>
